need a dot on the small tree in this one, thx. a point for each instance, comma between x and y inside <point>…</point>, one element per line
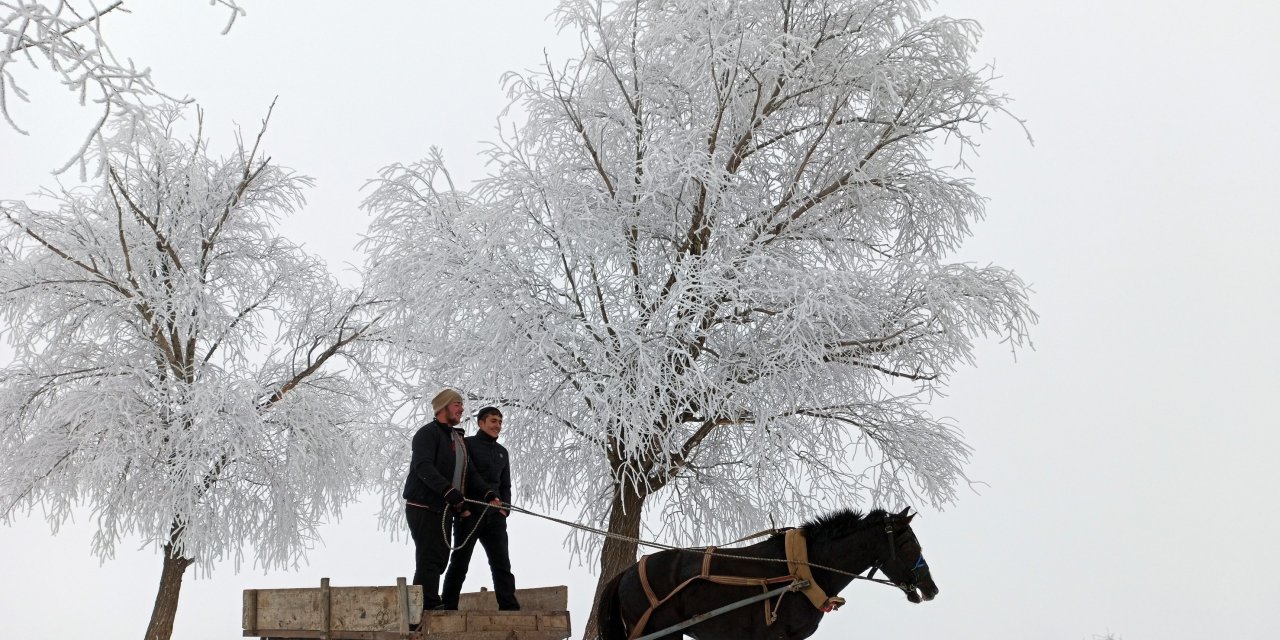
<point>67,35</point>
<point>180,369</point>
<point>711,265</point>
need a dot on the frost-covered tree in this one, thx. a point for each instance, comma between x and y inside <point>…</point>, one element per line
<point>181,370</point>
<point>67,37</point>
<point>710,266</point>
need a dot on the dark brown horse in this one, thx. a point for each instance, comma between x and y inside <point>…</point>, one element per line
<point>841,545</point>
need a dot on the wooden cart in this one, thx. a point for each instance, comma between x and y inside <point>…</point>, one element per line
<point>395,613</point>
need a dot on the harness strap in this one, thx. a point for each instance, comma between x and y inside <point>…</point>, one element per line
<point>737,581</point>
<point>798,564</point>
<point>644,582</point>
<point>758,534</point>
<point>653,600</point>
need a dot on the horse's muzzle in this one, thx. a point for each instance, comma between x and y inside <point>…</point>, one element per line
<point>928,590</point>
<point>922,591</point>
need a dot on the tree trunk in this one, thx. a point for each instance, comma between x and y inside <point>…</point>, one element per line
<point>166,608</point>
<point>616,555</point>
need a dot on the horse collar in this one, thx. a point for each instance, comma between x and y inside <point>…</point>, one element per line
<point>797,552</point>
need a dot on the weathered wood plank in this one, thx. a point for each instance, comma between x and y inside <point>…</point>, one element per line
<point>288,609</point>
<point>316,634</point>
<point>326,609</point>
<point>517,634</point>
<point>305,634</point>
<point>558,623</point>
<point>402,596</point>
<point>250,615</point>
<point>552,625</point>
<point>477,621</point>
<point>535,599</point>
<point>385,613</point>
<point>350,609</point>
<point>443,621</point>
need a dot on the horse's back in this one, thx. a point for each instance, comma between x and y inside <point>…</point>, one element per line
<point>677,579</point>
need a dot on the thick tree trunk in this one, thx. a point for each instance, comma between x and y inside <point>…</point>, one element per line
<point>616,555</point>
<point>166,607</point>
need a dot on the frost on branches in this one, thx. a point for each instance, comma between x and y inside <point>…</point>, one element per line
<point>710,270</point>
<point>180,369</point>
<point>67,37</point>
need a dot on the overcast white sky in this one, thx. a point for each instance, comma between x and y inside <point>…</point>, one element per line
<point>1125,464</point>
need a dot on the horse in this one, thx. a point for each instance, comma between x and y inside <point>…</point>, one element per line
<point>676,585</point>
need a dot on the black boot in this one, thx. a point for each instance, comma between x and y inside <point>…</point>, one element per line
<point>431,593</point>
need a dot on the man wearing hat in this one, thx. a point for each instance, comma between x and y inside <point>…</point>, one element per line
<point>439,476</point>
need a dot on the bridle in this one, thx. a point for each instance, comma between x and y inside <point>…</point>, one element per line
<point>895,542</point>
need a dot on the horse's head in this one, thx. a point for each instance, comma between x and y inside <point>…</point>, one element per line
<point>902,559</point>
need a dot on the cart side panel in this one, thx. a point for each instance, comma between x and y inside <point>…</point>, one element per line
<point>536,599</point>
<point>351,609</point>
<point>478,625</point>
<point>288,609</point>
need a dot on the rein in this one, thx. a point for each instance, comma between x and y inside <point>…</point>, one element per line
<point>444,524</point>
<point>658,545</point>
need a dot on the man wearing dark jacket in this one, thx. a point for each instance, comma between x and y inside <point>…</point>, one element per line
<point>439,476</point>
<point>489,526</point>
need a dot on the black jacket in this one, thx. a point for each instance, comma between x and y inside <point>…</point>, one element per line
<point>430,479</point>
<point>491,460</point>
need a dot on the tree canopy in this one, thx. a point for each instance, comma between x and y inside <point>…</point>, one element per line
<point>180,369</point>
<point>710,262</point>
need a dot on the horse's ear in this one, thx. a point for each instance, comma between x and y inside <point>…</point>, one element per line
<point>905,515</point>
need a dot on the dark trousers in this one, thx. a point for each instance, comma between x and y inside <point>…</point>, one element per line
<point>492,535</point>
<point>431,551</point>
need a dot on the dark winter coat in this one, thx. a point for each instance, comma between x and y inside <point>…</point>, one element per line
<point>430,479</point>
<point>491,460</point>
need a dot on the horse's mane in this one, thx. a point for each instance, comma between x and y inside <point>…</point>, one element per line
<point>842,522</point>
